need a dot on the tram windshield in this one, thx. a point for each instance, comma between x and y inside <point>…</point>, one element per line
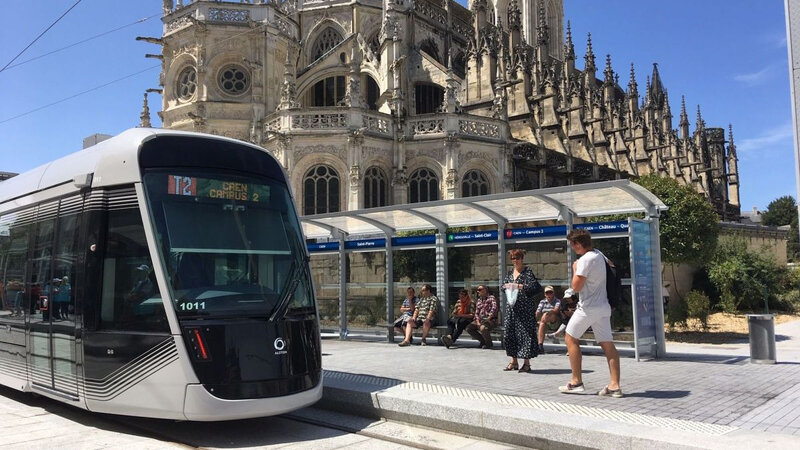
<point>231,244</point>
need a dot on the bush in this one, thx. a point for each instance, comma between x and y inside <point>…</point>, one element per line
<point>744,278</point>
<point>698,307</point>
<point>677,313</point>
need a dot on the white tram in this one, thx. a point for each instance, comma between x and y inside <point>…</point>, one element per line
<point>158,274</point>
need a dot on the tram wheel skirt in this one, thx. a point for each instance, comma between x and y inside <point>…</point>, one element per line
<point>201,406</point>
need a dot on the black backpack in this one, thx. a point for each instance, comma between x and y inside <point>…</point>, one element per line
<point>613,283</point>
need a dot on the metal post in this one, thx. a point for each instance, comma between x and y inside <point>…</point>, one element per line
<point>342,289</point>
<point>389,288</point>
<point>566,215</point>
<point>655,239</point>
<point>792,8</point>
<point>441,271</point>
<point>501,266</point>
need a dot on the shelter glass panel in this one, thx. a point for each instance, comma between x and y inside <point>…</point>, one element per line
<point>325,273</point>
<point>366,291</point>
<point>412,268</point>
<point>470,266</point>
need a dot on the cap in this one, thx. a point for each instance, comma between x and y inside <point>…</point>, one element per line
<point>569,293</point>
<point>549,289</point>
<point>143,267</point>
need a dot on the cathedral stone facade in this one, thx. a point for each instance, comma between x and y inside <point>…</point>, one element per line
<point>377,102</point>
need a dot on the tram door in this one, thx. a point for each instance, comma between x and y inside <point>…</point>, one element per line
<point>52,349</point>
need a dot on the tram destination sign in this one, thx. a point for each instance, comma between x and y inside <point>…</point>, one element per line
<point>220,189</point>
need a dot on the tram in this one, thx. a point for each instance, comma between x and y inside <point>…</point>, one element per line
<point>158,274</point>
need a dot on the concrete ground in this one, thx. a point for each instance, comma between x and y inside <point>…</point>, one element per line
<point>702,396</point>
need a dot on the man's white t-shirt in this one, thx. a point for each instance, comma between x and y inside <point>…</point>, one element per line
<point>593,298</point>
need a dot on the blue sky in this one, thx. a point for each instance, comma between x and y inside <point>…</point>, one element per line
<point>729,56</point>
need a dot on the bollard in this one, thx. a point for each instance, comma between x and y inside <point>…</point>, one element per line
<point>762,338</point>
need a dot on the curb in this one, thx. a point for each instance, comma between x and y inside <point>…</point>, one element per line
<point>521,425</point>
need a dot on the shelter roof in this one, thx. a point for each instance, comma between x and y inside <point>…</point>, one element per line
<point>558,203</point>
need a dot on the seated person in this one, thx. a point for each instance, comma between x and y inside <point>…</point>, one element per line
<point>568,306</point>
<point>462,314</point>
<point>424,313</point>
<point>544,313</point>
<point>406,310</point>
<point>485,317</point>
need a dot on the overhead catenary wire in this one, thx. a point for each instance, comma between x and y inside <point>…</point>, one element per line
<point>79,94</point>
<point>259,28</point>
<point>40,35</point>
<point>145,19</point>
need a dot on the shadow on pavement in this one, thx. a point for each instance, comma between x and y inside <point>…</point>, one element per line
<point>557,371</point>
<point>709,359</point>
<point>659,394</point>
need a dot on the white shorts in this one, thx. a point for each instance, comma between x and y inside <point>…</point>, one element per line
<point>580,322</point>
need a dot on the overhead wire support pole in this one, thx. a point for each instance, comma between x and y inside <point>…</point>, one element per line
<point>792,8</point>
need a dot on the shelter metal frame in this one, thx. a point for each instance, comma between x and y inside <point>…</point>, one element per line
<point>562,204</point>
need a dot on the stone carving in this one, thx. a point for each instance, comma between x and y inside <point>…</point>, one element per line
<point>479,128</point>
<point>319,121</point>
<point>226,15</point>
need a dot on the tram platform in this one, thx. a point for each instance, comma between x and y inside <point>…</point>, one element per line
<point>699,396</point>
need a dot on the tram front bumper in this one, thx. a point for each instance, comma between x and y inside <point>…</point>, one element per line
<point>201,406</point>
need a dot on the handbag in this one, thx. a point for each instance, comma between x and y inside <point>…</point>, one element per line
<point>511,294</point>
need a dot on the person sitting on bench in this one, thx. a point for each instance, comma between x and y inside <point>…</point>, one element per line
<point>485,317</point>
<point>423,316</point>
<point>462,314</point>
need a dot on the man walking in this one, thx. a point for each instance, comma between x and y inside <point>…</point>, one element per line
<point>589,278</point>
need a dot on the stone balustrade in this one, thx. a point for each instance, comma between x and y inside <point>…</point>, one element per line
<point>422,127</point>
<point>183,13</point>
<point>329,119</point>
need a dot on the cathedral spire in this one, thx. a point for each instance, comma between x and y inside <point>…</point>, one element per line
<point>569,48</point>
<point>288,90</point>
<point>700,123</point>
<point>633,88</point>
<point>145,116</point>
<point>608,73</point>
<point>514,16</point>
<point>731,145</point>
<point>590,66</point>
<point>684,121</point>
<point>542,35</point>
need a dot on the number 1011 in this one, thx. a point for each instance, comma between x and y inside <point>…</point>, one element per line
<point>191,306</point>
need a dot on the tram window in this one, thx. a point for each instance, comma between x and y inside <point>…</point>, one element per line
<point>13,259</point>
<point>63,301</point>
<point>40,285</point>
<point>130,295</point>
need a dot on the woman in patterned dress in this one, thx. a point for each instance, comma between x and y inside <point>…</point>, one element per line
<point>520,320</point>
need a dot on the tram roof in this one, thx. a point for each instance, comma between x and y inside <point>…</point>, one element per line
<point>106,161</point>
<point>582,200</point>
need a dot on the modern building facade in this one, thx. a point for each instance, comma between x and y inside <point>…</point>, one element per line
<point>378,102</point>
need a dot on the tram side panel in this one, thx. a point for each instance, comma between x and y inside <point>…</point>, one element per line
<point>14,235</point>
<point>133,365</point>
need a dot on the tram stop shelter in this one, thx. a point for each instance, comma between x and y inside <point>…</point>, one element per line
<point>504,220</point>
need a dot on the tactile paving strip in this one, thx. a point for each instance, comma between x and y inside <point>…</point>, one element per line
<point>586,411</point>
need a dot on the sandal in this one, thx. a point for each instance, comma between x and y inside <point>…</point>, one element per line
<point>606,392</point>
<point>510,367</point>
<point>526,368</point>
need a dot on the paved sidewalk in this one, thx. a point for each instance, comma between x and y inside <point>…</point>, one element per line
<point>699,397</point>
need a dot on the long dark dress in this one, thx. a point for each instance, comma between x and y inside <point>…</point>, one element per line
<point>520,321</point>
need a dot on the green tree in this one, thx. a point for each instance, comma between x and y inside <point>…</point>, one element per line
<point>783,211</point>
<point>689,228</point>
<point>780,212</point>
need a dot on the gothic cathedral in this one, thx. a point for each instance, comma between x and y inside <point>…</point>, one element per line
<point>370,103</point>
